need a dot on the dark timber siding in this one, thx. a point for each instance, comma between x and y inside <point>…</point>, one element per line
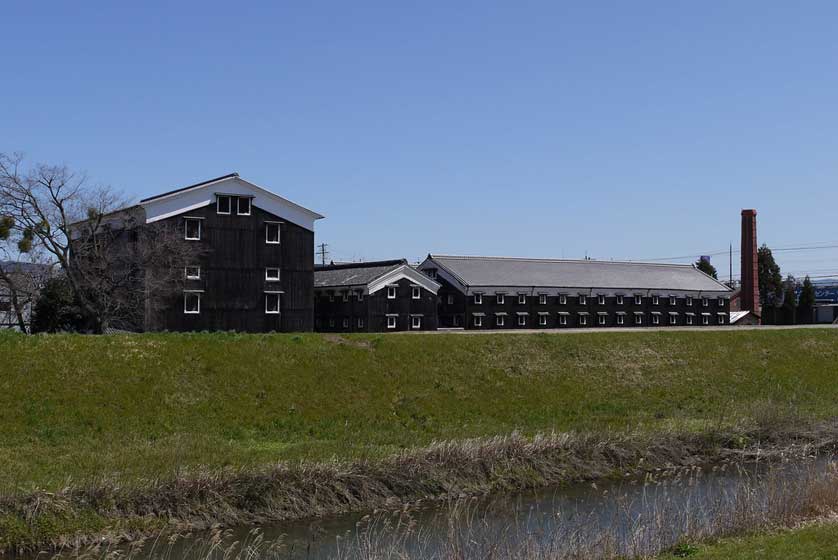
<point>233,262</point>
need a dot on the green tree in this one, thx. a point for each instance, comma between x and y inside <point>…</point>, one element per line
<point>770,280</point>
<point>56,309</point>
<point>704,266</point>
<point>806,305</point>
<point>789,307</point>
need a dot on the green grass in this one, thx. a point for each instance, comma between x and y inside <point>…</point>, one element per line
<point>74,408</point>
<point>815,542</point>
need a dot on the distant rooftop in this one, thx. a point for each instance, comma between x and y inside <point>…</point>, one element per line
<point>353,274</point>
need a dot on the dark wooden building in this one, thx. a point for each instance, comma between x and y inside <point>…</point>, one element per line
<point>375,296</point>
<point>519,293</point>
<point>253,269</point>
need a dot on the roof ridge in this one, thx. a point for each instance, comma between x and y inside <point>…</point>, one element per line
<point>547,260</point>
<point>180,189</point>
<point>364,264</point>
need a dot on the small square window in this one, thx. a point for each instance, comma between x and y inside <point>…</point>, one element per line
<point>193,229</point>
<point>522,320</point>
<point>619,300</point>
<point>638,319</point>
<point>416,293</point>
<point>638,300</point>
<point>655,300</point>
<point>272,274</point>
<point>600,299</point>
<point>621,319</point>
<point>721,319</point>
<point>223,204</point>
<point>272,304</point>
<point>272,233</point>
<point>583,299</point>
<point>244,206</point>
<point>542,300</point>
<point>193,272</point>
<point>601,320</point>
<point>721,302</point>
<point>416,322</point>
<point>583,320</point>
<point>500,320</point>
<point>689,301</point>
<point>705,302</point>
<point>192,303</point>
<point>501,299</point>
<point>563,319</point>
<point>689,319</point>
<point>705,320</point>
<point>391,322</point>
<point>673,320</point>
<point>391,292</point>
<point>656,319</point>
<point>542,320</point>
<point>478,321</point>
<point>478,299</point>
<point>562,300</point>
<point>522,299</point>
<point>672,300</point>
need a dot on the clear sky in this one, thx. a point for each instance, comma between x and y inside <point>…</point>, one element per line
<point>553,129</point>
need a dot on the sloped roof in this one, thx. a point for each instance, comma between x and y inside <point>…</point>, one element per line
<point>550,273</point>
<point>354,274</point>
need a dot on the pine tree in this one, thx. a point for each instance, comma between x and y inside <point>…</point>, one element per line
<point>704,266</point>
<point>789,306</point>
<point>806,305</point>
<point>770,280</point>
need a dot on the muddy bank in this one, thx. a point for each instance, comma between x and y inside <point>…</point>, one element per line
<point>198,500</point>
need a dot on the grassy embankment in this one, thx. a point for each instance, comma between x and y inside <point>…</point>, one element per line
<point>125,413</point>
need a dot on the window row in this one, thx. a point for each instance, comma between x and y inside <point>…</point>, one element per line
<point>392,322</point>
<point>193,230</point>
<point>392,293</point>
<point>582,299</point>
<point>225,203</point>
<point>194,273</point>
<point>192,302</point>
<point>582,319</point>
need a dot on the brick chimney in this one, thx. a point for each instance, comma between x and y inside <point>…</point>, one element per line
<point>750,278</point>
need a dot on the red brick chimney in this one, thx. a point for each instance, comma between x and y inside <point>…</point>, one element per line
<point>750,278</point>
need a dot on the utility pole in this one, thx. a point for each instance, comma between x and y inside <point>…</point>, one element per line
<point>730,264</point>
<point>321,250</point>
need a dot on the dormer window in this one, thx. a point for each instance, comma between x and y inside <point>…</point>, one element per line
<point>244,206</point>
<point>272,233</point>
<point>223,204</point>
<point>192,229</point>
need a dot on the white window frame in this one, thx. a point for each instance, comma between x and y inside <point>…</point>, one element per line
<point>268,277</point>
<point>721,302</point>
<point>673,319</point>
<point>415,292</point>
<point>600,299</point>
<point>500,320</point>
<point>601,320</point>
<point>415,323</point>
<point>478,320</point>
<point>673,300</point>
<point>583,299</point>
<point>689,301</point>
<point>656,319</point>
<point>268,226</point>
<point>192,276</point>
<point>656,300</point>
<point>705,319</point>
<point>563,320</point>
<point>392,321</point>
<point>542,320</point>
<point>186,228</point>
<point>619,300</point>
<point>583,320</point>
<point>705,302</point>
<point>478,299</point>
<point>239,206</point>
<point>500,299</point>
<point>638,300</point>
<point>522,320</point>
<point>690,320</point>
<point>621,319</point>
<point>391,292</point>
<point>721,318</point>
<point>360,322</point>
<point>187,293</point>
<point>218,198</point>
<point>638,319</point>
<point>562,299</point>
<point>542,299</point>
<point>267,298</point>
<point>522,299</point>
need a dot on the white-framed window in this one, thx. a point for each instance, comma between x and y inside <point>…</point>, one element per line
<point>689,302</point>
<point>600,299</point>
<point>542,320</point>
<point>562,299</point>
<point>672,300</point>
<point>360,295</point>
<point>192,229</point>
<point>522,320</point>
<point>705,302</point>
<point>655,300</point>
<point>689,319</point>
<point>500,320</point>
<point>478,320</point>
<point>583,320</point>
<point>638,319</point>
<point>415,322</point>
<point>391,321</point>
<point>621,319</point>
<point>522,299</point>
<point>360,322</point>
<point>478,299</point>
<point>583,299</point>
<point>243,207</point>
<point>345,296</point>
<point>391,292</point>
<point>705,319</point>
<point>673,319</point>
<point>721,318</point>
<point>272,274</point>
<point>272,303</point>
<point>721,302</point>
<point>656,319</point>
<point>272,233</point>
<point>619,299</point>
<point>563,319</point>
<point>542,300</point>
<point>638,300</point>
<point>501,298</point>
<point>192,303</point>
<point>601,320</point>
<point>223,204</point>
<point>416,293</point>
<point>450,299</point>
<point>192,272</point>
<point>346,322</point>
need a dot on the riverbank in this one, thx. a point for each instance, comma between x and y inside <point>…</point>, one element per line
<point>125,435</point>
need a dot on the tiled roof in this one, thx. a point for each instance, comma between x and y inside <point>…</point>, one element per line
<point>353,274</point>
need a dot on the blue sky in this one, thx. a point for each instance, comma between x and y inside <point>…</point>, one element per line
<point>617,129</point>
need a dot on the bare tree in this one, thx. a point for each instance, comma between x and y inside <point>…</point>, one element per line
<point>118,267</point>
